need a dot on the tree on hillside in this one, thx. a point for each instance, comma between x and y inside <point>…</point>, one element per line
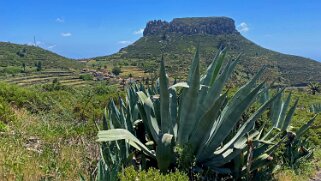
<point>22,53</point>
<point>24,66</point>
<point>39,66</point>
<point>116,70</point>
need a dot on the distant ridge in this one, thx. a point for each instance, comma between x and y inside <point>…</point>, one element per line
<point>15,55</point>
<point>177,40</point>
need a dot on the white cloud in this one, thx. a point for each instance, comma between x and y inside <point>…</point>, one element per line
<point>51,46</point>
<point>60,20</point>
<point>66,34</point>
<point>139,32</point>
<point>243,27</point>
<point>125,42</point>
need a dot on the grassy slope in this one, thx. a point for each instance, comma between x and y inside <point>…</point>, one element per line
<point>49,135</point>
<point>15,55</point>
<point>178,49</point>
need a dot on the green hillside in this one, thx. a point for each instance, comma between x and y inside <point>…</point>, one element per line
<point>14,55</point>
<point>177,40</point>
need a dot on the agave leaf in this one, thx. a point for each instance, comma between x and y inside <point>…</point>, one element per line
<point>264,96</point>
<point>260,150</point>
<point>225,171</point>
<point>151,118</point>
<point>289,116</point>
<point>147,113</point>
<point>262,160</point>
<point>180,84</point>
<point>166,123</point>
<point>214,92</point>
<point>105,121</point>
<point>276,111</point>
<point>274,146</point>
<point>122,134</point>
<point>102,172</point>
<point>214,68</point>
<point>284,108</point>
<point>239,144</point>
<point>305,127</point>
<point>194,66</point>
<point>173,110</point>
<point>229,154</point>
<point>114,115</point>
<point>261,131</point>
<point>164,152</point>
<point>248,125</point>
<point>202,130</point>
<point>189,104</point>
<point>230,116</point>
<point>122,117</point>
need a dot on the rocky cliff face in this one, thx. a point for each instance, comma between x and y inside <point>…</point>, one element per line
<point>191,26</point>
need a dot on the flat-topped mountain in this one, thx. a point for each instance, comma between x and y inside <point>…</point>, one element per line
<point>176,41</point>
<point>192,26</point>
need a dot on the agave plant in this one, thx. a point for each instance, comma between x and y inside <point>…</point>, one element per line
<point>315,108</point>
<point>194,124</point>
<point>276,132</point>
<point>201,118</point>
<point>314,87</point>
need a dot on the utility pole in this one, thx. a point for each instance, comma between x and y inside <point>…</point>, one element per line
<point>34,41</point>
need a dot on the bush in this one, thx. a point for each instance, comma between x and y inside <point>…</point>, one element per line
<point>54,86</point>
<point>21,97</point>
<point>11,70</point>
<point>130,174</point>
<point>6,114</point>
<point>86,77</point>
<point>116,70</point>
<point>102,89</point>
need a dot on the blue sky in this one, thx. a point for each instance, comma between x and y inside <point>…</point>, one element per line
<point>88,28</point>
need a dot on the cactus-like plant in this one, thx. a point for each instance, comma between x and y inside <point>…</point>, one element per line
<point>314,87</point>
<point>315,108</point>
<point>276,132</point>
<point>202,118</point>
<point>198,126</point>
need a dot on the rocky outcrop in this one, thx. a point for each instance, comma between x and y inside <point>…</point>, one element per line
<point>191,26</point>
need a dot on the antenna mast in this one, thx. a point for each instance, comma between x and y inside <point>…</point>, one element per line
<point>34,41</point>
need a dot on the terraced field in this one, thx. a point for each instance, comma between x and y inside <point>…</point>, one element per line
<point>64,77</point>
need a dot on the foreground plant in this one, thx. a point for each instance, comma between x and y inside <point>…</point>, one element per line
<point>275,135</point>
<point>193,125</point>
<point>314,87</point>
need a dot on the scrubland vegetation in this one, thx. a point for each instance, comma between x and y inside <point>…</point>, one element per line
<point>50,133</point>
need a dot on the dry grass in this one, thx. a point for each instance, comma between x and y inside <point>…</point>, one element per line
<point>57,157</point>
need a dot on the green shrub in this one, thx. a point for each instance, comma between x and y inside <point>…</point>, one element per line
<point>116,70</point>
<point>86,77</point>
<point>11,70</point>
<point>130,174</point>
<point>6,114</point>
<point>54,86</point>
<point>103,89</point>
<point>30,99</point>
